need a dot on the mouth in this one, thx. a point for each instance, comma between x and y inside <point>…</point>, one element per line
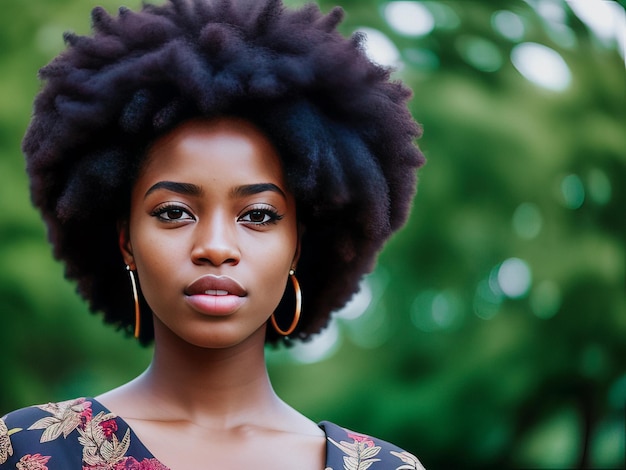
<point>215,292</point>
<point>215,295</point>
<point>215,286</point>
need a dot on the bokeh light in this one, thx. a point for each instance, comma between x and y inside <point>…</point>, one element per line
<point>435,311</point>
<point>573,191</point>
<point>599,187</point>
<point>546,299</point>
<point>487,300</point>
<point>479,52</point>
<point>541,65</point>
<point>321,347</point>
<point>409,18</point>
<point>445,16</point>
<point>359,303</point>
<point>514,278</point>
<point>508,24</point>
<point>607,20</point>
<point>380,49</point>
<point>527,220</point>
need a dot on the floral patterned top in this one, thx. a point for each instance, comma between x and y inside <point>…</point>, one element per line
<point>83,434</point>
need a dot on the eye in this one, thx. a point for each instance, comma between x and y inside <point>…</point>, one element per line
<point>260,216</point>
<point>172,213</point>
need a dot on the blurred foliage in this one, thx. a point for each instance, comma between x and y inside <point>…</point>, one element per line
<point>441,358</point>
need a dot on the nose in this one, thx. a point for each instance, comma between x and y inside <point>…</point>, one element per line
<point>215,242</point>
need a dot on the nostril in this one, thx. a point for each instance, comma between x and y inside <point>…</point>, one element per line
<point>215,256</point>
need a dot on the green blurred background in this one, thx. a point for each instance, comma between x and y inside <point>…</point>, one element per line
<point>493,332</point>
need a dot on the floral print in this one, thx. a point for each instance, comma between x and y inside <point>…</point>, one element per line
<point>101,447</point>
<point>6,450</point>
<point>66,417</point>
<point>33,462</point>
<point>410,461</point>
<point>130,463</point>
<point>361,452</point>
<point>81,434</point>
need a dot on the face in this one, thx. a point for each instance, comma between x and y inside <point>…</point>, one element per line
<point>212,232</point>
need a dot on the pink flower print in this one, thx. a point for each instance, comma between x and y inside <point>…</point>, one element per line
<point>360,453</point>
<point>85,417</point>
<point>361,438</point>
<point>109,428</point>
<point>130,463</point>
<point>152,464</point>
<point>33,462</point>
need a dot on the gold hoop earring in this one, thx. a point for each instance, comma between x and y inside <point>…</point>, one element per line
<point>133,282</point>
<point>296,317</point>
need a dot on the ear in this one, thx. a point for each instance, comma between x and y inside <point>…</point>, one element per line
<point>126,247</point>
<point>296,256</point>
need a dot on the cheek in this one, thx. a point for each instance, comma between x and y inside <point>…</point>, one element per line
<point>154,258</point>
<point>272,259</point>
<point>279,251</point>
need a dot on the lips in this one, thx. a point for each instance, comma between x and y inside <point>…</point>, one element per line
<point>215,295</point>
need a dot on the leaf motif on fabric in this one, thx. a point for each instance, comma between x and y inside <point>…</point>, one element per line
<point>58,409</point>
<point>44,423</point>
<point>53,428</point>
<point>369,452</point>
<point>364,465</point>
<point>359,454</point>
<point>66,417</point>
<point>101,447</point>
<point>6,449</point>
<point>114,450</point>
<point>351,463</point>
<point>409,459</point>
<point>346,447</point>
<point>91,456</point>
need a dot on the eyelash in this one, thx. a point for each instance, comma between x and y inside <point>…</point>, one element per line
<point>267,210</point>
<point>159,211</point>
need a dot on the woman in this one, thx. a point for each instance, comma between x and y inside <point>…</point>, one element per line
<point>215,175</point>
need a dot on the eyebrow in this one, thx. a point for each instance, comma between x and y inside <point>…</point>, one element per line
<point>252,189</point>
<point>189,189</point>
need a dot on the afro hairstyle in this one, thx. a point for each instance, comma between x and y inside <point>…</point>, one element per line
<point>340,124</point>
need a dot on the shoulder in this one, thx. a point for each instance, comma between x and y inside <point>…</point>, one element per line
<point>30,437</point>
<point>77,433</point>
<point>355,450</point>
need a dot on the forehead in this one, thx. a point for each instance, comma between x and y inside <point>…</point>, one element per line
<point>219,147</point>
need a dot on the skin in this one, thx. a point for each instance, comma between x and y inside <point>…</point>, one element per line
<point>207,397</point>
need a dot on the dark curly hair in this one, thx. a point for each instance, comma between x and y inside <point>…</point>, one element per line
<point>340,125</point>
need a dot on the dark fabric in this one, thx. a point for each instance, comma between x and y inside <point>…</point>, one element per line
<point>82,434</point>
<point>348,450</point>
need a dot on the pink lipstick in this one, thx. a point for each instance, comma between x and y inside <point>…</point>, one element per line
<point>215,295</point>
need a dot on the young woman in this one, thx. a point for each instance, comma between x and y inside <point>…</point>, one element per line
<point>216,175</point>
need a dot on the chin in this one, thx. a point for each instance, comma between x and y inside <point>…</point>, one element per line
<point>222,338</point>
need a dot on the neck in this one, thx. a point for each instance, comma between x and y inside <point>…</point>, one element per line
<point>210,387</point>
